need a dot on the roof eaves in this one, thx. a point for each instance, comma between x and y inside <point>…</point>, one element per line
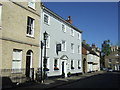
<point>59,17</point>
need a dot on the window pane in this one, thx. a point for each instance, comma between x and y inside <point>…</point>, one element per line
<point>31,3</point>
<point>63,45</point>
<point>30,26</point>
<point>16,64</point>
<point>45,18</point>
<point>17,57</point>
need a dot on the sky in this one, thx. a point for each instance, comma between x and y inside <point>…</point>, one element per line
<point>97,20</point>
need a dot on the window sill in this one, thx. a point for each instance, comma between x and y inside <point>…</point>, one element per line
<point>19,72</point>
<point>47,23</point>
<point>63,31</point>
<point>56,69</point>
<point>47,47</point>
<point>63,50</point>
<point>30,36</point>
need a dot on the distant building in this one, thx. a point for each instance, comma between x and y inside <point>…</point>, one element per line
<point>113,60</point>
<point>91,58</point>
<point>61,32</point>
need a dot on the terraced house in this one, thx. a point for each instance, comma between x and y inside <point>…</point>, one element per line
<point>91,58</point>
<point>20,31</point>
<point>63,46</point>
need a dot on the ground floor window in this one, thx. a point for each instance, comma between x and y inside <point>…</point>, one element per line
<point>56,64</point>
<point>72,64</point>
<point>17,59</point>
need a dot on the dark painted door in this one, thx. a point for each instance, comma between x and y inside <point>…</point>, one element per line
<point>84,65</point>
<point>63,68</point>
<point>28,66</point>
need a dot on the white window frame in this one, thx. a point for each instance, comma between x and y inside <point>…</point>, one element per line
<point>17,58</point>
<point>48,19</point>
<point>78,49</point>
<point>30,28</point>
<point>57,65</point>
<point>78,36</point>
<point>79,63</point>
<point>31,4</point>
<point>63,27</point>
<point>72,47</point>
<point>63,45</point>
<point>72,64</point>
<point>31,58</point>
<point>109,60</point>
<point>72,32</point>
<point>0,16</point>
<point>48,42</point>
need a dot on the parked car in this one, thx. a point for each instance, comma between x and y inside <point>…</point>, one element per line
<point>109,70</point>
<point>104,69</point>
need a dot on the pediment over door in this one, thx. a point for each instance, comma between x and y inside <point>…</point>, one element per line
<point>64,57</point>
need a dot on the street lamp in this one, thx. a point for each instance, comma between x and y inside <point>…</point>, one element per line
<point>45,34</point>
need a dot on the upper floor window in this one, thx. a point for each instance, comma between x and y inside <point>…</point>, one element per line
<point>31,3</point>
<point>72,47</point>
<point>72,32</point>
<point>78,49</point>
<point>46,19</point>
<point>48,42</point>
<point>63,45</point>
<point>78,35</point>
<point>110,60</point>
<point>0,16</point>
<point>30,26</point>
<point>63,28</point>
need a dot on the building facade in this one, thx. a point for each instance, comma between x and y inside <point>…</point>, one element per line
<point>61,32</point>
<point>113,60</point>
<point>91,58</point>
<point>20,31</point>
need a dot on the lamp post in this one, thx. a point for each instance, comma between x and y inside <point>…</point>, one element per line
<point>41,61</point>
<point>45,59</point>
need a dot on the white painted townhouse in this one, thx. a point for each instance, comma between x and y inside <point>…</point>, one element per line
<point>93,58</point>
<point>60,32</point>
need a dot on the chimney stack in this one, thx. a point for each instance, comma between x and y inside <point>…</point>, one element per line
<point>69,20</point>
<point>93,45</point>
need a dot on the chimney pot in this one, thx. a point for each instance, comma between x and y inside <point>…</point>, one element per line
<point>69,20</point>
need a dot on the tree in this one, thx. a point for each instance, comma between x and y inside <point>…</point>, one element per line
<point>106,50</point>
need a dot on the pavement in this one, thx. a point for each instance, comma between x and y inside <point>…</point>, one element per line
<point>52,83</point>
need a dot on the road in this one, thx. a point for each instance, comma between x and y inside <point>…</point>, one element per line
<point>105,80</point>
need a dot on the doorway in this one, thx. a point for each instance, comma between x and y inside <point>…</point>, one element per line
<point>28,63</point>
<point>84,65</point>
<point>63,68</point>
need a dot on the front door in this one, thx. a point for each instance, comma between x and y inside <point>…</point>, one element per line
<point>63,68</point>
<point>28,63</point>
<point>84,65</point>
<point>27,66</point>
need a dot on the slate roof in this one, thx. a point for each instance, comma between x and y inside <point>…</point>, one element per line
<point>89,49</point>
